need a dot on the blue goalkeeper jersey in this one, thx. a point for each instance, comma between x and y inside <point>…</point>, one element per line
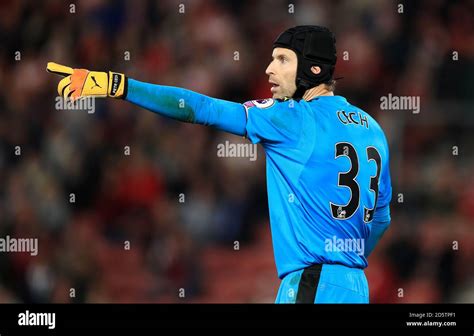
<point>328,175</point>
<point>327,166</point>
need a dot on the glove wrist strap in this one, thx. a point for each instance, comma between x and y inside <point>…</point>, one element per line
<point>117,85</point>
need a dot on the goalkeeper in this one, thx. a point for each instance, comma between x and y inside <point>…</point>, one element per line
<point>328,175</point>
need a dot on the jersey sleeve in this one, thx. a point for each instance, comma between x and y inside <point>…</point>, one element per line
<point>272,121</point>
<point>187,106</point>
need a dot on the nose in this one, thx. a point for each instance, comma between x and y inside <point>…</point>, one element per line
<point>269,70</point>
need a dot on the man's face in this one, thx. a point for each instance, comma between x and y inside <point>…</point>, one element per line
<point>282,72</point>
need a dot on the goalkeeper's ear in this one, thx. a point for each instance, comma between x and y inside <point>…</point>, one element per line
<point>59,69</point>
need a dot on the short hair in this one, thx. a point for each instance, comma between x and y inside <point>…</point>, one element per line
<point>331,85</point>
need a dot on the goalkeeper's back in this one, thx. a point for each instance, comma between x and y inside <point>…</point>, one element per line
<point>327,178</point>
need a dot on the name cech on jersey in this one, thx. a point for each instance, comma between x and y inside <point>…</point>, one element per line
<point>352,118</point>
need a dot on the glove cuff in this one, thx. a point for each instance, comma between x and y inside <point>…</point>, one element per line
<point>117,85</point>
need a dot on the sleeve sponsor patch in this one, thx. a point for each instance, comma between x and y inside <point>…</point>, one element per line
<point>260,103</point>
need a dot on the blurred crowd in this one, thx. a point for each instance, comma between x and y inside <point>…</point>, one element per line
<point>128,206</point>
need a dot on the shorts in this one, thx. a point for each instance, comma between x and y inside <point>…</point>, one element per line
<point>327,283</point>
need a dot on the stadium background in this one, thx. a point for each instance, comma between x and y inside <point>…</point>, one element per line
<point>427,254</point>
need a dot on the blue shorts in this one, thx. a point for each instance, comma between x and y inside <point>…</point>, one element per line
<point>328,283</point>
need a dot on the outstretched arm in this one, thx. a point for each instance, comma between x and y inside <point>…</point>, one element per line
<point>172,102</point>
<point>188,106</point>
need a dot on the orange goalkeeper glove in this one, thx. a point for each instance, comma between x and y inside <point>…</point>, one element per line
<point>80,83</point>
